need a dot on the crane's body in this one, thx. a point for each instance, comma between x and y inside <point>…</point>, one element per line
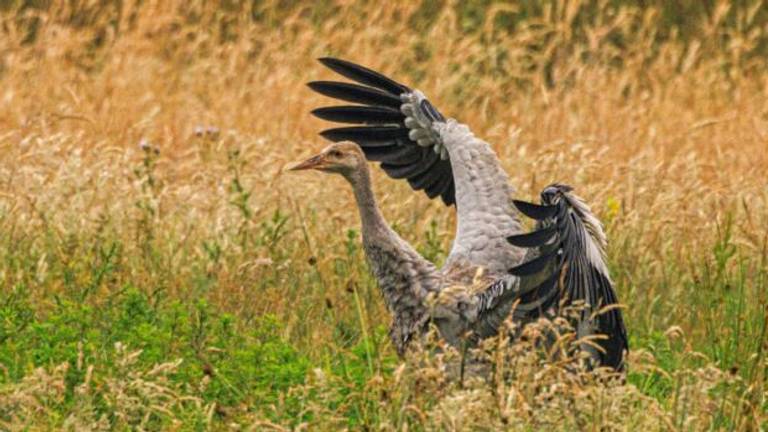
<point>492,265</point>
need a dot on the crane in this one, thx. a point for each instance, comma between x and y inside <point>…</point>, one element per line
<point>493,268</point>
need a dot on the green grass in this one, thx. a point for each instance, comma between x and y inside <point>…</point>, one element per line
<point>254,365</point>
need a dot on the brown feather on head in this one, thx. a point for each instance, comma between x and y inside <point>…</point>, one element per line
<point>341,158</point>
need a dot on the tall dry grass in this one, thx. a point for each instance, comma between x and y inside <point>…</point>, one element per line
<point>161,128</point>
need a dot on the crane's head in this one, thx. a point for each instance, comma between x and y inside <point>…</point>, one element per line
<point>341,158</point>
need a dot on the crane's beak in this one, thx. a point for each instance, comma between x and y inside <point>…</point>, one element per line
<point>315,162</point>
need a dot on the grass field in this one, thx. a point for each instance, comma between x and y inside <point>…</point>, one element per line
<point>158,270</point>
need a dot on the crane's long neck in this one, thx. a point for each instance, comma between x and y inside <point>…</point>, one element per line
<point>377,234</point>
<point>404,276</point>
<point>372,220</point>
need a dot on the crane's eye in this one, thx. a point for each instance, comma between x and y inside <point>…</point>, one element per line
<point>335,154</point>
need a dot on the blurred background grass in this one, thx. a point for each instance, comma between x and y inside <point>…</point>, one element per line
<point>142,201</point>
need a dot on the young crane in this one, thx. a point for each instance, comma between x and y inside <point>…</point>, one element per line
<point>475,290</point>
<point>565,261</point>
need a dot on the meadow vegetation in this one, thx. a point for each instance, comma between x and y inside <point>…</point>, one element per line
<point>158,270</point>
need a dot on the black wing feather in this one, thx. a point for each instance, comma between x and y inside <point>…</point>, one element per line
<point>356,114</point>
<point>449,195</point>
<point>363,75</point>
<point>533,266</point>
<point>445,183</point>
<point>366,134</point>
<point>583,282</point>
<point>413,171</point>
<point>394,155</point>
<point>570,277</point>
<point>428,180</point>
<point>535,211</point>
<point>534,238</point>
<point>545,296</point>
<point>355,93</point>
<point>388,142</point>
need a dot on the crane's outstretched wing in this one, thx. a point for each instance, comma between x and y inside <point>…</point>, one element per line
<point>400,128</point>
<point>385,132</point>
<point>569,268</point>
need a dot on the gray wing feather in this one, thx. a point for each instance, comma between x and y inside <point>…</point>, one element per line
<point>486,214</point>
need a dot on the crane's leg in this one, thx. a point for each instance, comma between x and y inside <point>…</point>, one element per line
<point>464,350</point>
